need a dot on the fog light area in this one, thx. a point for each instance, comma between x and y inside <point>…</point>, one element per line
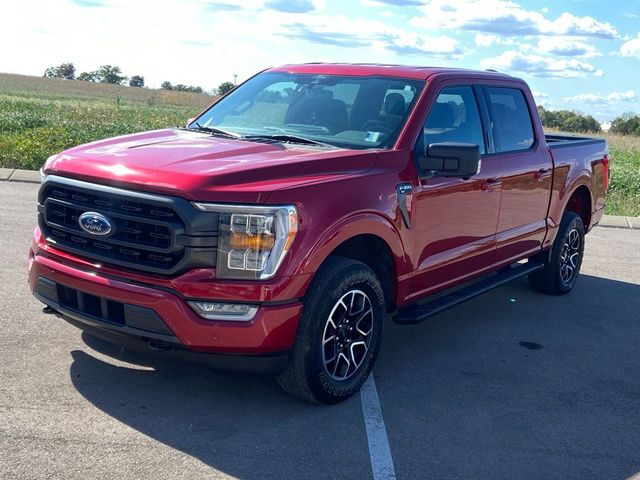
<point>232,312</point>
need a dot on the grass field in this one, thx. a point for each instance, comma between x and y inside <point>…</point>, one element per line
<point>42,116</point>
<point>623,197</point>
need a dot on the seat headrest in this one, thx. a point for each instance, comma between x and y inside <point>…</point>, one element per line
<point>395,104</point>
<point>441,116</point>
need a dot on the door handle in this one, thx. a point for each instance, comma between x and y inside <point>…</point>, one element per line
<point>491,184</point>
<point>541,174</point>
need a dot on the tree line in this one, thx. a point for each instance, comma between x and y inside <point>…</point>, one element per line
<point>570,121</point>
<point>113,74</point>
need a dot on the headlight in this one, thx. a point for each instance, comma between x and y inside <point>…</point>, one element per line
<point>253,240</point>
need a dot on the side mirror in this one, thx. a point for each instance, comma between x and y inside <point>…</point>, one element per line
<point>450,159</point>
<point>189,122</point>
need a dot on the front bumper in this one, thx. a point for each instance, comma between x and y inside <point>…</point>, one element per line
<point>135,314</point>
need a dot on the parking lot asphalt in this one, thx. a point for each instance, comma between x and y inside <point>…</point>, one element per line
<point>512,384</point>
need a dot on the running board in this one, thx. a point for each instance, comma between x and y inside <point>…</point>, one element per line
<point>418,313</point>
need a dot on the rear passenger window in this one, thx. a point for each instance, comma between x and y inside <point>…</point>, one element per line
<point>511,119</point>
<point>454,118</point>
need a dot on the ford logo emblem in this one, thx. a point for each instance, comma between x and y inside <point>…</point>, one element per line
<point>95,223</point>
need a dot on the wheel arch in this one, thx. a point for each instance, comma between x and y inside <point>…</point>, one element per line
<point>370,239</point>
<point>580,201</point>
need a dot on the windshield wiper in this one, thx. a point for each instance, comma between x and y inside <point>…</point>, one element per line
<point>214,131</point>
<point>286,138</point>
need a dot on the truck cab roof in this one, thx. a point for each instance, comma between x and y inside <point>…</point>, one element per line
<point>372,69</point>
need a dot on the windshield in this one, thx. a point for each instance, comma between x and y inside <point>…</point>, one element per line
<point>342,111</point>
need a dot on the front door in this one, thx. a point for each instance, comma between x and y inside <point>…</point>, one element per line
<point>456,218</point>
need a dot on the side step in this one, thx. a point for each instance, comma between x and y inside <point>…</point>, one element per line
<point>418,313</point>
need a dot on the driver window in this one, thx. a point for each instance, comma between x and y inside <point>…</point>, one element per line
<point>454,117</point>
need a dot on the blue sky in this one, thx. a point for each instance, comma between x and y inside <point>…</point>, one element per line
<point>576,54</point>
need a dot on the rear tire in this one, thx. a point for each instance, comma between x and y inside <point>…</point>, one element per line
<point>565,259</point>
<point>339,333</point>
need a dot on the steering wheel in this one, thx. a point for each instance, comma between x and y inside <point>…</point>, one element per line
<point>376,126</point>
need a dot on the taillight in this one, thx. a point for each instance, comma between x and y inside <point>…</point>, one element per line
<point>605,172</point>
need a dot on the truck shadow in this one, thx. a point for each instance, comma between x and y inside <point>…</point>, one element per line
<point>244,426</point>
<point>512,384</point>
<point>515,384</point>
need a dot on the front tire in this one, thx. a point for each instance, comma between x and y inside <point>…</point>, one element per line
<point>339,334</point>
<point>565,259</point>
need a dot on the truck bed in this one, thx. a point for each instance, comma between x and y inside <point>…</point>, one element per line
<point>574,156</point>
<point>563,140</point>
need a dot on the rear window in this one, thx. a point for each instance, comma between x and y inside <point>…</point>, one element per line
<point>511,119</point>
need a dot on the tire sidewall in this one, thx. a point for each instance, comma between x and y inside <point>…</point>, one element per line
<point>573,221</point>
<point>316,312</point>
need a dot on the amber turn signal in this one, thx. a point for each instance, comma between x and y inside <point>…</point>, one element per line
<point>242,241</point>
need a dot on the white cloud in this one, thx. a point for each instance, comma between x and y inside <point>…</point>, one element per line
<point>631,48</point>
<point>540,66</point>
<point>593,98</point>
<point>406,43</point>
<point>392,3</point>
<point>350,33</point>
<point>504,17</point>
<point>567,47</point>
<point>568,24</point>
<point>541,98</point>
<point>485,41</point>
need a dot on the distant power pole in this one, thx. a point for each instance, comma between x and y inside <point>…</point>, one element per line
<point>235,78</point>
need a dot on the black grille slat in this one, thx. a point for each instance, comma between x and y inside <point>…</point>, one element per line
<point>160,236</point>
<point>103,203</point>
<point>79,240</point>
<point>130,208</point>
<point>161,213</point>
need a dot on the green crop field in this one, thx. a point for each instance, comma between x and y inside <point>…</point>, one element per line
<point>623,197</point>
<point>42,116</point>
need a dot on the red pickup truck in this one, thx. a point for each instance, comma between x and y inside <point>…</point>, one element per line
<point>277,229</point>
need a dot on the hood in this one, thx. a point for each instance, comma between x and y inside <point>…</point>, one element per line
<point>198,166</point>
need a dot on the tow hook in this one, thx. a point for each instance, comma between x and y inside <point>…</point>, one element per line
<point>159,345</point>
<point>48,310</point>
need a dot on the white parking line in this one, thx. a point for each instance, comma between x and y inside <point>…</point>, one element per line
<point>379,451</point>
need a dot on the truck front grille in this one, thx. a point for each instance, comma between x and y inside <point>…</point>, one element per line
<point>148,232</point>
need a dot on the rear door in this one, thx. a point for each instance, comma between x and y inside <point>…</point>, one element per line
<point>527,170</point>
